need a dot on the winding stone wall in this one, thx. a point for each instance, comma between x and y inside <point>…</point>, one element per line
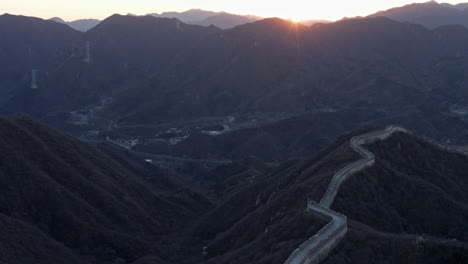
<point>316,248</point>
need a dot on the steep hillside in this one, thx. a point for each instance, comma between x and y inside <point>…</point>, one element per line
<point>414,188</point>
<point>123,52</point>
<point>414,198</point>
<point>266,220</point>
<point>363,244</point>
<point>403,213</point>
<point>276,66</point>
<point>64,201</point>
<point>298,136</point>
<point>28,44</point>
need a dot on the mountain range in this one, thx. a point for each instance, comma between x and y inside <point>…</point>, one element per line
<point>66,201</point>
<point>193,16</point>
<point>430,14</point>
<point>202,137</point>
<point>460,6</point>
<point>82,25</point>
<point>222,20</point>
<point>145,71</point>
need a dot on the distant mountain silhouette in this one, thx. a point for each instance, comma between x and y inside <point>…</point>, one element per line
<point>225,20</point>
<point>193,16</point>
<point>430,14</point>
<point>461,6</point>
<point>82,25</point>
<point>187,16</point>
<point>59,20</point>
<point>206,18</point>
<point>312,22</point>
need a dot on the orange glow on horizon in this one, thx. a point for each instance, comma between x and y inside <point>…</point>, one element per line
<point>296,10</point>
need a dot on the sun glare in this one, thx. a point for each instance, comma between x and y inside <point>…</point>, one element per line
<point>297,10</point>
<point>295,20</point>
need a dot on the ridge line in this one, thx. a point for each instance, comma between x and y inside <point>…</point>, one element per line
<point>317,248</point>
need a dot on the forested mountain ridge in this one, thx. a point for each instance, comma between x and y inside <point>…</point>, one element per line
<point>64,200</point>
<point>430,14</point>
<point>141,71</point>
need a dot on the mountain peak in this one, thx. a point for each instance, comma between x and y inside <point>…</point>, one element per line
<point>58,19</point>
<point>430,14</point>
<point>202,17</point>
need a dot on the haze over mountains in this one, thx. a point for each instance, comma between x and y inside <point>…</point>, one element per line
<point>146,71</point>
<point>222,20</point>
<point>430,14</point>
<point>199,137</point>
<point>82,25</point>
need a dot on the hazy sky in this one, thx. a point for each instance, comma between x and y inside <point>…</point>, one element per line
<point>295,9</point>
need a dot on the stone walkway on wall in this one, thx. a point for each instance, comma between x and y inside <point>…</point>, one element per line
<point>319,246</point>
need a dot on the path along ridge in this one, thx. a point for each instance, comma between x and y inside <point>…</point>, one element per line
<point>319,246</point>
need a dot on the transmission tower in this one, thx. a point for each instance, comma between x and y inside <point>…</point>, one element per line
<point>34,79</point>
<point>88,58</point>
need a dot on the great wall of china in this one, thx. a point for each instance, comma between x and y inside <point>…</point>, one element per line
<point>319,246</point>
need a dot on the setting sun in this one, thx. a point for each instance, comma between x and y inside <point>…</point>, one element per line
<point>294,20</point>
<point>233,132</point>
<point>294,9</point>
